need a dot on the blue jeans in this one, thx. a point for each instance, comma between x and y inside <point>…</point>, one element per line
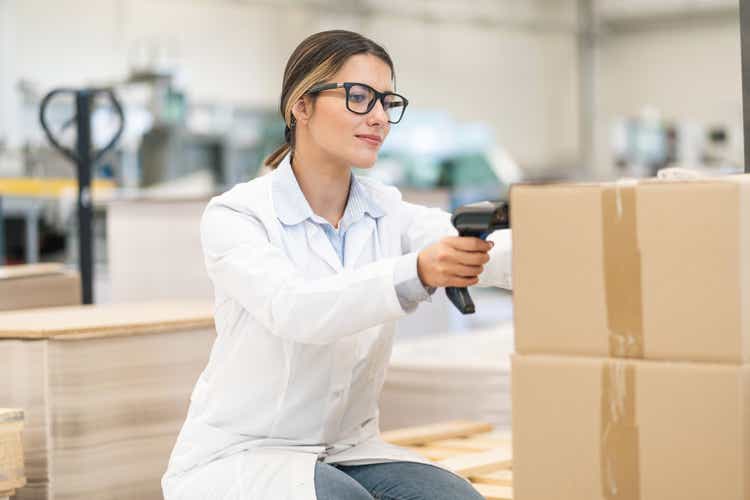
<point>390,481</point>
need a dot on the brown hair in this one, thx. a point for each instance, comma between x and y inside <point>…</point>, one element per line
<point>314,61</point>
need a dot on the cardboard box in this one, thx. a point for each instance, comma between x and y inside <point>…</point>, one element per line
<point>654,270</point>
<point>105,390</point>
<point>590,429</point>
<point>38,285</point>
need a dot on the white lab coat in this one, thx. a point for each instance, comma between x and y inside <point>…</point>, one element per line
<point>302,343</point>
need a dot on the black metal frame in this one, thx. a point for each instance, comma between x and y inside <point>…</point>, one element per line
<point>379,96</point>
<point>2,233</point>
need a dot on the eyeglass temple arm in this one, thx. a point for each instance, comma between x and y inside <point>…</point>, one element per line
<point>325,86</point>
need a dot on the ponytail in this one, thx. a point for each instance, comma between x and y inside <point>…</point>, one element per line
<point>272,161</point>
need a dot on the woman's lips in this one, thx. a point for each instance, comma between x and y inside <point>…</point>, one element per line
<point>371,140</point>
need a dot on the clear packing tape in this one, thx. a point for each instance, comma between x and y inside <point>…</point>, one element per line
<point>622,270</point>
<point>620,471</point>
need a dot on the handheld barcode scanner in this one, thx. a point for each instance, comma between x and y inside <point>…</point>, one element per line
<point>477,220</point>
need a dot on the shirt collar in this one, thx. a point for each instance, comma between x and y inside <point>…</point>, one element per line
<point>292,207</point>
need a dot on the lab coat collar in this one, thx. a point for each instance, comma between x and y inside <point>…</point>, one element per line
<point>292,207</point>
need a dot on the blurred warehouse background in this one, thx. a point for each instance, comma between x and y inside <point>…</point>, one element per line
<point>500,91</point>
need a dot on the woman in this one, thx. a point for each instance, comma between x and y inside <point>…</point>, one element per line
<point>311,267</point>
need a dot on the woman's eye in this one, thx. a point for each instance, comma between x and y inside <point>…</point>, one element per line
<point>358,98</point>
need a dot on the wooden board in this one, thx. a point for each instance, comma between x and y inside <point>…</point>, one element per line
<point>471,464</point>
<point>498,478</point>
<point>8,415</point>
<point>434,432</point>
<point>107,320</point>
<point>480,442</point>
<point>11,451</point>
<point>468,448</point>
<point>37,286</point>
<point>492,492</point>
<point>30,270</point>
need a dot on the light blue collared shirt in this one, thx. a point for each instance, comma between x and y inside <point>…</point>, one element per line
<point>409,287</point>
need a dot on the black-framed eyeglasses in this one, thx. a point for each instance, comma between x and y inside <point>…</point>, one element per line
<point>361,98</point>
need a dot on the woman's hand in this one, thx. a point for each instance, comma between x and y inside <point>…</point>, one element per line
<point>453,261</point>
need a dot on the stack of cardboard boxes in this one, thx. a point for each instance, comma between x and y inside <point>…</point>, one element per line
<point>632,322</point>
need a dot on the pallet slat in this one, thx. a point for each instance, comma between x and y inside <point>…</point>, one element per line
<point>492,492</point>
<point>478,463</point>
<point>433,452</point>
<point>428,433</point>
<point>480,442</point>
<point>470,449</point>
<point>498,478</point>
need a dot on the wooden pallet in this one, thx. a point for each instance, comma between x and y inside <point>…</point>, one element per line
<point>470,449</point>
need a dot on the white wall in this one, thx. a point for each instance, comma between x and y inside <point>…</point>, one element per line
<point>7,108</point>
<point>690,70</point>
<point>518,77</point>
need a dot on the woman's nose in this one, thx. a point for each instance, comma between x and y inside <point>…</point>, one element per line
<point>378,114</point>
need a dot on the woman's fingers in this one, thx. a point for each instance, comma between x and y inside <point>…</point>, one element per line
<point>452,256</point>
<point>463,271</point>
<point>453,261</point>
<point>463,282</point>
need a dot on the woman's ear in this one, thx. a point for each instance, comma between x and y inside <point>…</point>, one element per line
<point>302,110</point>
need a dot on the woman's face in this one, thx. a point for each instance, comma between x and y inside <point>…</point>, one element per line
<point>344,136</point>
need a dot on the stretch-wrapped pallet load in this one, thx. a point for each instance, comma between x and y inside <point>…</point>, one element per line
<point>105,390</point>
<point>38,285</point>
<point>11,451</point>
<point>449,377</point>
<point>631,378</point>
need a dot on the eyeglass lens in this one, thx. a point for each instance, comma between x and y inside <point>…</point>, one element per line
<point>361,100</point>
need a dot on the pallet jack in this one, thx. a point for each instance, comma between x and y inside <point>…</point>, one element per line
<point>85,158</point>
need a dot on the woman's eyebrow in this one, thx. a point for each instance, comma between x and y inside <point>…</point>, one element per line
<point>387,89</point>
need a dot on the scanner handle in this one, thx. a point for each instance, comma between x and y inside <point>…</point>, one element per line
<point>459,296</point>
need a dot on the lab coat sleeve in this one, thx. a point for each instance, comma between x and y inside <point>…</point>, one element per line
<point>409,287</point>
<point>426,226</point>
<point>245,266</point>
